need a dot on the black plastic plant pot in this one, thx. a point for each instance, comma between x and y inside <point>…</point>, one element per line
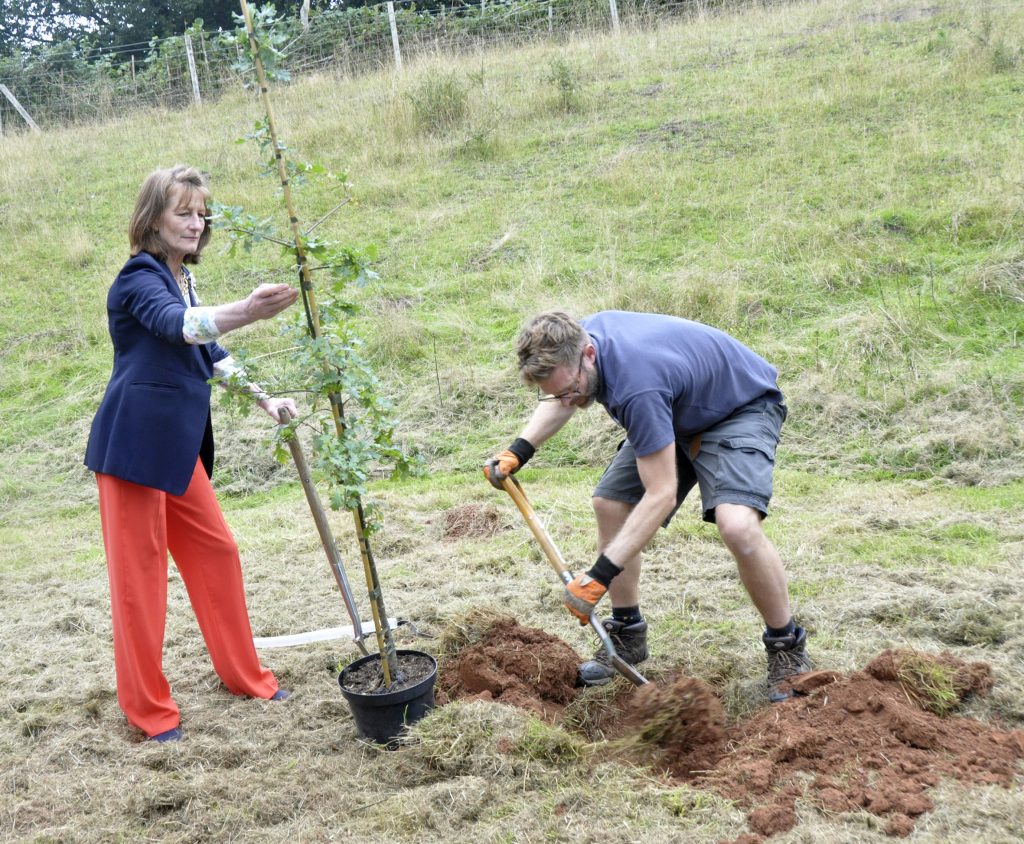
<point>381,716</point>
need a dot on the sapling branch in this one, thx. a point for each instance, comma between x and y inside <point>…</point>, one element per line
<point>250,232</point>
<point>328,215</point>
<point>274,354</point>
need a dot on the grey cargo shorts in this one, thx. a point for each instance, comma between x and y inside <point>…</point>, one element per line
<point>733,463</point>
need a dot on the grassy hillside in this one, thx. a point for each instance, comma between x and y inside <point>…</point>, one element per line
<point>837,184</point>
<point>840,190</point>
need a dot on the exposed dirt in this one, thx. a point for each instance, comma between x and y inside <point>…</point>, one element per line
<point>512,664</point>
<point>675,726</point>
<point>860,742</point>
<point>868,741</point>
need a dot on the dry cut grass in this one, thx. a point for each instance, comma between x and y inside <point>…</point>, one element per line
<point>251,769</point>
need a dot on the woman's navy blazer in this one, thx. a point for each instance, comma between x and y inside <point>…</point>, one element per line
<point>154,419</point>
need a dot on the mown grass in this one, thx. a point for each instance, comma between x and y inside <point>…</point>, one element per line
<point>836,184</point>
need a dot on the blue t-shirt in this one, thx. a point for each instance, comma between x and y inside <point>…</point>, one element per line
<point>664,378</point>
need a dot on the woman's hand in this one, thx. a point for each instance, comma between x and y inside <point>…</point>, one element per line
<point>272,407</point>
<point>268,300</point>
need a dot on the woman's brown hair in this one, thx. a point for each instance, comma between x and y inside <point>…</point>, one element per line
<point>155,195</point>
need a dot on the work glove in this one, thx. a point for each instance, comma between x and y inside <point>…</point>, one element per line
<point>581,596</point>
<point>508,462</point>
<point>585,590</point>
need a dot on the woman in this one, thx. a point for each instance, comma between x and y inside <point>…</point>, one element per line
<point>151,447</point>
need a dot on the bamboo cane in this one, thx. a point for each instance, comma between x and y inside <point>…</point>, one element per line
<point>385,641</point>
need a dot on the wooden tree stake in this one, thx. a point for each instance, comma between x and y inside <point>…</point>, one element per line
<point>385,641</point>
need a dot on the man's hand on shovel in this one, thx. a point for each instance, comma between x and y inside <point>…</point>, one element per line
<point>581,596</point>
<point>584,591</point>
<point>505,463</point>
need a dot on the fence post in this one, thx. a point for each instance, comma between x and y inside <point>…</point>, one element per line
<point>206,58</point>
<point>394,35</point>
<point>192,69</point>
<point>615,16</point>
<point>551,16</point>
<point>14,102</point>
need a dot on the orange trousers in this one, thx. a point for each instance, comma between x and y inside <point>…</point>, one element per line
<point>140,525</point>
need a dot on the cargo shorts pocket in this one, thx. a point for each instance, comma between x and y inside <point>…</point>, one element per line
<point>746,465</point>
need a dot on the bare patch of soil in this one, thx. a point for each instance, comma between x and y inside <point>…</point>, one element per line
<point>468,521</point>
<point>699,132</point>
<point>516,665</point>
<point>677,725</point>
<point>870,741</point>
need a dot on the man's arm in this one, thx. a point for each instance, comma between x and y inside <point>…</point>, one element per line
<point>658,474</point>
<point>547,420</point>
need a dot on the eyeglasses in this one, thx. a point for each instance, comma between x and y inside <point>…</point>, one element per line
<point>568,394</point>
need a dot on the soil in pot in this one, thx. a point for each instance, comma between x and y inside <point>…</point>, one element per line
<point>368,678</point>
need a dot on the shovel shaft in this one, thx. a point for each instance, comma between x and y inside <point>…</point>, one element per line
<point>515,490</point>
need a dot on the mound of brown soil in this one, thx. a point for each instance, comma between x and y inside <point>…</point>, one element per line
<point>512,664</point>
<point>866,741</point>
<point>937,682</point>
<point>871,740</point>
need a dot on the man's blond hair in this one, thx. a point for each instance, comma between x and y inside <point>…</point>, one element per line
<point>547,341</point>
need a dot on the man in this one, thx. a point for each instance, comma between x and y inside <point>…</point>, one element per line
<point>698,407</point>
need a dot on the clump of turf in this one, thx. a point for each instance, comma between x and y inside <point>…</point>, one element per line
<point>680,724</point>
<point>483,738</point>
<point>938,683</point>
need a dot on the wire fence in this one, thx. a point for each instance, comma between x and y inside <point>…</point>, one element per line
<point>69,83</point>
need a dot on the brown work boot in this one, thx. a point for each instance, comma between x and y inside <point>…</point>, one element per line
<point>787,657</point>
<point>630,643</point>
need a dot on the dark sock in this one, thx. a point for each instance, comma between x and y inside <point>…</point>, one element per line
<point>627,615</point>
<point>775,632</point>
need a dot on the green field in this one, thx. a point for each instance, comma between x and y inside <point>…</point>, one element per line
<point>837,184</point>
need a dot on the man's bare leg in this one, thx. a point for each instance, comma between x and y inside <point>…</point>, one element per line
<point>611,516</point>
<point>759,564</point>
<point>763,577</point>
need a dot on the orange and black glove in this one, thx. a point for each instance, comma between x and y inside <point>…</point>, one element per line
<point>583,592</point>
<point>508,462</point>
